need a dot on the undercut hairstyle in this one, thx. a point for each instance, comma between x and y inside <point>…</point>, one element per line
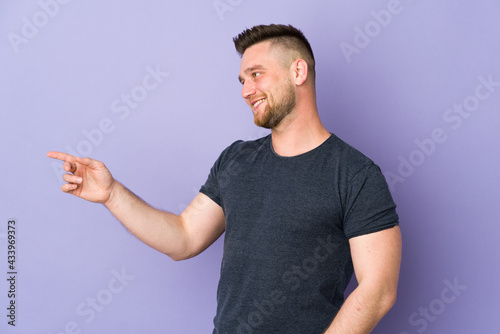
<point>287,37</point>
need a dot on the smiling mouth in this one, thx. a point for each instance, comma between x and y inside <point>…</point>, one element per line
<point>258,102</point>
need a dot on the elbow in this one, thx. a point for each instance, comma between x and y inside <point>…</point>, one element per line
<point>391,301</point>
<point>179,251</point>
<point>383,297</point>
<point>177,258</point>
<point>388,300</point>
<point>180,256</point>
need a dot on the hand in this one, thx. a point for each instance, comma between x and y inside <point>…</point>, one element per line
<point>87,178</point>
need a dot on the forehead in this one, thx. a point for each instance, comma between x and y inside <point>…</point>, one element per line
<point>258,49</point>
<point>258,55</point>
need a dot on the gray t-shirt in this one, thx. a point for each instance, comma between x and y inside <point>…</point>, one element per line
<point>286,260</point>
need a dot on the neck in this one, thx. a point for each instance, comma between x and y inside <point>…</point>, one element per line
<point>299,132</point>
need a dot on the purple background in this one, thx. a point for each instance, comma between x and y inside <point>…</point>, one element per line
<point>64,77</point>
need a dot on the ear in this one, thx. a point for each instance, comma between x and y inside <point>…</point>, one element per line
<point>299,71</point>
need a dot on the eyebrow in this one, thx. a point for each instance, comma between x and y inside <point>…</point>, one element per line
<point>251,69</point>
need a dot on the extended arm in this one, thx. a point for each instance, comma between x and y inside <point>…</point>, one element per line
<point>376,258</point>
<point>178,236</point>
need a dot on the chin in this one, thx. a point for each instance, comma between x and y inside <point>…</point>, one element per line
<point>262,124</point>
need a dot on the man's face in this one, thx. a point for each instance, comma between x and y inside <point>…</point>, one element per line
<point>267,85</point>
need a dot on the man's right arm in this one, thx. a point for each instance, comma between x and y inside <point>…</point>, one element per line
<point>178,236</point>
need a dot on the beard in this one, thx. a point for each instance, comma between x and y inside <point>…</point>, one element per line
<point>277,109</point>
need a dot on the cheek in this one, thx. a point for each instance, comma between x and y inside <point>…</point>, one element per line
<point>264,84</point>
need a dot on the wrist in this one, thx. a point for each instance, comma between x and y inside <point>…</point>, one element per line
<point>113,194</point>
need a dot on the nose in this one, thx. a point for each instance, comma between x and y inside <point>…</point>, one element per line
<point>248,89</point>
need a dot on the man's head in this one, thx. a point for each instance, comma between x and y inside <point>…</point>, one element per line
<point>276,59</point>
<point>287,41</point>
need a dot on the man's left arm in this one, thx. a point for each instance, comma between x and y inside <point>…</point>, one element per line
<point>376,259</point>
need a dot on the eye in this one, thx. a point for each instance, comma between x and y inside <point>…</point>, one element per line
<point>256,74</point>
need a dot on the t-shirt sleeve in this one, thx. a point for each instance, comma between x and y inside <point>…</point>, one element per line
<point>220,172</point>
<point>211,186</point>
<point>369,206</point>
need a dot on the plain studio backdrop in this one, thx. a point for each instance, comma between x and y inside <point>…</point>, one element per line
<point>150,88</point>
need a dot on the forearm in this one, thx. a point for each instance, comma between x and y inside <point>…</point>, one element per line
<point>160,230</point>
<point>361,311</point>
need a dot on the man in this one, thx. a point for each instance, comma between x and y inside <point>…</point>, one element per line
<point>301,209</point>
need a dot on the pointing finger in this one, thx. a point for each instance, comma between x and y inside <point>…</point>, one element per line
<point>61,156</point>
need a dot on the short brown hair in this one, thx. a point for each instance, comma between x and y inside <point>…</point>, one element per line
<point>285,36</point>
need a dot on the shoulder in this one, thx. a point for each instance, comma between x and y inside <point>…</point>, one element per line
<point>347,159</point>
<point>243,144</point>
<point>241,149</point>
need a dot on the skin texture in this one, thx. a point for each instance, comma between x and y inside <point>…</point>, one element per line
<point>290,110</point>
